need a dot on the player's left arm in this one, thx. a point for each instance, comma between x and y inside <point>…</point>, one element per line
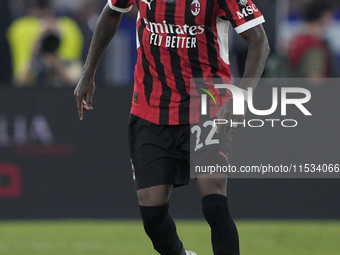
<point>258,52</point>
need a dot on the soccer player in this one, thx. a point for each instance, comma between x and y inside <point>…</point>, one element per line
<point>177,40</point>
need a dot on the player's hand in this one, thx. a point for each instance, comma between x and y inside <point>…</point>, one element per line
<point>226,113</point>
<point>84,93</point>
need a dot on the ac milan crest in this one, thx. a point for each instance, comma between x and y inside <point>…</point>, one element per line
<point>195,7</point>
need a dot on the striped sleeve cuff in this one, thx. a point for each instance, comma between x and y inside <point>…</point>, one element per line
<point>115,8</point>
<point>250,24</point>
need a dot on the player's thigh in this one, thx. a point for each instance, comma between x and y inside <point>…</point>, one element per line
<point>208,186</point>
<point>214,153</point>
<point>154,196</point>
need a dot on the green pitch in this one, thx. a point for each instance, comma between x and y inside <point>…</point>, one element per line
<point>127,237</point>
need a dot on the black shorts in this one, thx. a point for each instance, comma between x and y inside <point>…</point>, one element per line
<point>161,154</point>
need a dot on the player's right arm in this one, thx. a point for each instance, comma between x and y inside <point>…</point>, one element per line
<point>247,21</point>
<point>106,28</point>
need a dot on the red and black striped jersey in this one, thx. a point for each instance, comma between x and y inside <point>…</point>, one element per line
<point>178,40</point>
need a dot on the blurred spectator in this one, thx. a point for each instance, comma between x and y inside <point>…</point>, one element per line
<point>309,55</point>
<point>5,63</point>
<point>67,6</point>
<point>86,14</point>
<point>46,50</point>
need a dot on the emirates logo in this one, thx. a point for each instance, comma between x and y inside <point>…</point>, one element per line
<point>195,7</point>
<point>243,2</point>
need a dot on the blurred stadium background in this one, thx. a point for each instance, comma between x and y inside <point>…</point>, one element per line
<point>66,186</point>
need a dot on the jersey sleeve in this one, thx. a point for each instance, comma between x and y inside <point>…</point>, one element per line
<point>242,14</point>
<point>121,5</point>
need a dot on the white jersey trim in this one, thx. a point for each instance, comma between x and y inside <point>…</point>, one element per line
<point>115,8</point>
<point>222,27</point>
<point>250,24</point>
<point>137,39</point>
